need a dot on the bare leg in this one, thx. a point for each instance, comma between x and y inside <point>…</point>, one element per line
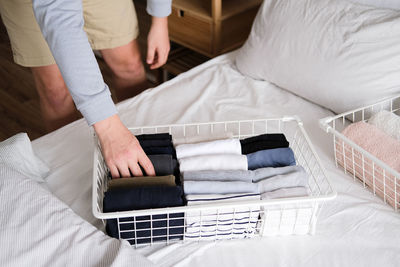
<point>56,103</point>
<point>128,72</point>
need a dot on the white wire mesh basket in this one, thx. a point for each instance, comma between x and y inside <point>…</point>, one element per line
<point>377,176</point>
<point>246,219</point>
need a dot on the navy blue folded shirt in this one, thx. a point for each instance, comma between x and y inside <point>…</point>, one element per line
<point>125,199</point>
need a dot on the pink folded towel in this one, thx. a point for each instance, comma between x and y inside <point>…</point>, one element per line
<point>382,146</point>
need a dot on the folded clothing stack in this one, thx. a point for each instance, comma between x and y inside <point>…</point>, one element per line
<point>380,138</point>
<point>144,229</point>
<point>136,193</point>
<point>231,170</point>
<point>226,223</point>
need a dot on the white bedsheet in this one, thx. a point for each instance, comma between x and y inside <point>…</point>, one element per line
<point>356,229</point>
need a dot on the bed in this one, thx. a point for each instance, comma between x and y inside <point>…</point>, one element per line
<point>356,229</point>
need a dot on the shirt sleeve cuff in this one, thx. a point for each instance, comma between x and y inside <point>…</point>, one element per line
<point>99,110</point>
<point>159,8</point>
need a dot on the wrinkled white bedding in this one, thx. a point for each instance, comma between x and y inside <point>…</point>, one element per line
<point>355,229</point>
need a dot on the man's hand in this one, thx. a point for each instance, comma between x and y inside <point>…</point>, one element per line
<point>121,149</point>
<point>158,43</point>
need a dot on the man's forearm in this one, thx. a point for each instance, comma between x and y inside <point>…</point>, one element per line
<point>61,22</point>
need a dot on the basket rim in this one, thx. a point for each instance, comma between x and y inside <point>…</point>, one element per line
<point>253,203</point>
<point>324,124</point>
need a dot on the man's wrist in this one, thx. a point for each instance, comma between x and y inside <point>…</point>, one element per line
<point>103,126</point>
<point>163,21</point>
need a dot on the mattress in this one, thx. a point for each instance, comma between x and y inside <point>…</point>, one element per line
<point>355,229</point>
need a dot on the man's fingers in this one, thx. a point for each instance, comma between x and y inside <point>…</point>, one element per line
<point>114,171</point>
<point>151,51</point>
<point>124,170</point>
<point>145,162</point>
<point>135,169</point>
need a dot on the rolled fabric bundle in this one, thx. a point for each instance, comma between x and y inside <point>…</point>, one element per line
<point>163,164</point>
<point>226,146</point>
<point>262,142</point>
<point>168,180</point>
<point>239,175</point>
<point>293,179</point>
<point>299,191</point>
<point>213,162</point>
<point>157,136</point>
<point>141,228</point>
<point>234,222</point>
<point>379,144</point>
<point>277,157</point>
<point>214,187</point>
<point>387,122</point>
<point>201,138</point>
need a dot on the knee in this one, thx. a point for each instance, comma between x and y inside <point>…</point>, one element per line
<point>55,94</point>
<point>128,67</point>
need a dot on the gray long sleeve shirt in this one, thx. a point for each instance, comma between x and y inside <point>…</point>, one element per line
<point>61,22</point>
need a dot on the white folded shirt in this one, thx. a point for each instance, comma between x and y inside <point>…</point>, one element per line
<point>213,162</point>
<point>235,222</point>
<point>226,146</point>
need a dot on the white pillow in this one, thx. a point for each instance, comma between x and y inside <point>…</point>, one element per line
<point>337,54</point>
<point>17,153</point>
<point>37,229</point>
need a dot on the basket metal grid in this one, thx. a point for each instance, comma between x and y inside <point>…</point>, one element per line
<point>377,176</point>
<point>245,219</point>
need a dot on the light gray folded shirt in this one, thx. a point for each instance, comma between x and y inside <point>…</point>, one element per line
<point>292,179</point>
<point>214,187</point>
<point>239,175</point>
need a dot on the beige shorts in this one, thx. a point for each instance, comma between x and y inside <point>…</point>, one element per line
<point>108,24</point>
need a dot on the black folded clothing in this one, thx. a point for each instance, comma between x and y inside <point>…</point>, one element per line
<point>155,143</point>
<point>144,229</point>
<point>166,150</point>
<point>158,136</point>
<point>262,142</point>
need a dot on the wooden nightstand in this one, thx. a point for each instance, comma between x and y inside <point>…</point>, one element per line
<point>211,27</point>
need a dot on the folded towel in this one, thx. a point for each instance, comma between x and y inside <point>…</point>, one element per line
<point>193,139</point>
<point>221,223</point>
<point>157,136</point>
<point>286,192</point>
<point>212,187</point>
<point>163,164</point>
<point>262,142</point>
<point>213,162</point>
<point>125,199</point>
<point>278,157</point>
<point>379,144</point>
<point>168,180</point>
<point>292,179</point>
<point>226,146</point>
<point>376,142</point>
<point>238,175</point>
<point>387,122</point>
